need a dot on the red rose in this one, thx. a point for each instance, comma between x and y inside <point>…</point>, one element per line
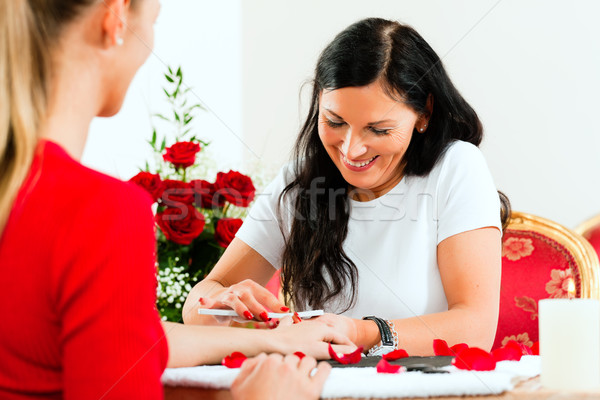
<point>182,154</point>
<point>204,194</point>
<point>226,230</point>
<point>176,192</point>
<point>151,182</point>
<point>182,224</point>
<point>235,187</point>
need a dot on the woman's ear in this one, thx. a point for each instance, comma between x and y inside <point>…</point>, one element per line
<point>114,21</point>
<point>429,106</point>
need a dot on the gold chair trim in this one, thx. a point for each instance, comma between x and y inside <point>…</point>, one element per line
<point>584,254</point>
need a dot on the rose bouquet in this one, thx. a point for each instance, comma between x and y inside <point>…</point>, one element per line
<point>196,219</point>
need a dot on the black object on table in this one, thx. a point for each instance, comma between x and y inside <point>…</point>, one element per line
<point>427,365</point>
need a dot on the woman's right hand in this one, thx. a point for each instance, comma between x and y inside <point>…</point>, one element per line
<point>276,377</point>
<point>248,299</point>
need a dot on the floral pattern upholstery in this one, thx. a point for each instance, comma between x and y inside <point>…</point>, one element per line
<point>534,267</point>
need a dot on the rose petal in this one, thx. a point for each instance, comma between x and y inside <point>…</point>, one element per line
<point>507,353</point>
<point>395,355</point>
<point>234,360</point>
<point>518,347</point>
<point>457,348</point>
<point>535,349</point>
<point>350,358</point>
<point>440,348</point>
<point>300,354</point>
<point>384,367</point>
<point>474,359</point>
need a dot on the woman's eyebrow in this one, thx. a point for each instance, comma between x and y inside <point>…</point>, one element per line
<point>368,124</point>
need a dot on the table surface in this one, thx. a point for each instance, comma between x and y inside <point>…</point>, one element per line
<point>527,390</point>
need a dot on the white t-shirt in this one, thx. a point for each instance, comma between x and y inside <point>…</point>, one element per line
<point>393,239</point>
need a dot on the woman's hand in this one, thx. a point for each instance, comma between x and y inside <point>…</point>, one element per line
<point>361,332</point>
<point>277,377</point>
<point>310,337</point>
<point>248,299</point>
<point>344,325</point>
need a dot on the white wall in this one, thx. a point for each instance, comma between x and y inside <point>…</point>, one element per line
<point>204,37</point>
<point>531,69</point>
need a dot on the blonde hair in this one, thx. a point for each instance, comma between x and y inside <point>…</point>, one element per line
<point>27,29</point>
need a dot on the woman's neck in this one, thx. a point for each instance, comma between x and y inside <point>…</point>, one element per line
<point>73,102</point>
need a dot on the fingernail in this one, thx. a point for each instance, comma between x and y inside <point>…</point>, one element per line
<point>285,309</point>
<point>247,315</point>
<point>201,300</point>
<point>264,316</point>
<point>296,318</point>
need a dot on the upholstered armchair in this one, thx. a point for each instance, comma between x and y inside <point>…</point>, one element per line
<point>540,259</point>
<point>590,230</point>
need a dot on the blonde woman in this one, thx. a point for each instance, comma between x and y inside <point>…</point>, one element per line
<point>76,246</point>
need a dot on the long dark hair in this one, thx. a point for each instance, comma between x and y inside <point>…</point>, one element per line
<point>315,268</point>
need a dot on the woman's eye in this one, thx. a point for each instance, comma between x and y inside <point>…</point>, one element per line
<point>380,131</point>
<point>333,124</point>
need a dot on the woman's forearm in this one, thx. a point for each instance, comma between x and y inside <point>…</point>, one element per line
<point>197,345</point>
<point>416,334</point>
<point>205,288</point>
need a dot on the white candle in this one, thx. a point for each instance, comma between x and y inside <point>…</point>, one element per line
<point>570,343</point>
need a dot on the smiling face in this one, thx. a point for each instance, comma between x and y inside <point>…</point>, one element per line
<point>366,133</point>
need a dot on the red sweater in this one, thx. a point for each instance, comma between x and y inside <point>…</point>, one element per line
<point>78,287</point>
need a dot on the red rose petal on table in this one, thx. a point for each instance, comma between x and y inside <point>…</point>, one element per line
<point>395,355</point>
<point>474,359</point>
<point>507,354</point>
<point>535,349</point>
<point>525,350</point>
<point>300,354</point>
<point>234,360</point>
<point>518,347</point>
<point>384,367</point>
<point>457,348</point>
<point>440,348</point>
<point>350,358</point>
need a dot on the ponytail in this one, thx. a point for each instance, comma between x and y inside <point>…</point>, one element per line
<point>28,28</point>
<point>22,95</point>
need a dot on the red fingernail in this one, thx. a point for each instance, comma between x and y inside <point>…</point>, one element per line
<point>201,300</point>
<point>285,309</point>
<point>247,315</point>
<point>296,318</point>
<point>264,316</point>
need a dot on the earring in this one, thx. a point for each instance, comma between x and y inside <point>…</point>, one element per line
<point>119,41</point>
<point>421,130</point>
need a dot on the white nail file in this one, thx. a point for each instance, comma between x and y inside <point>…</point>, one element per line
<point>232,313</point>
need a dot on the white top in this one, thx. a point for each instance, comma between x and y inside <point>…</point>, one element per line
<point>393,239</point>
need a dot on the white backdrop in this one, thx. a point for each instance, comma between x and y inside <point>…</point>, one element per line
<point>531,69</point>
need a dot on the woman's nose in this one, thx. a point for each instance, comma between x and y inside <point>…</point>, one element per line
<point>354,146</point>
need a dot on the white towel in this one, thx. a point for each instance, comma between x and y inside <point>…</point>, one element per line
<point>366,382</point>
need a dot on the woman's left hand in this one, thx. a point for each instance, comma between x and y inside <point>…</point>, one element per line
<point>344,325</point>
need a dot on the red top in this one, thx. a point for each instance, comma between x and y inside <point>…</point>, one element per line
<point>78,287</point>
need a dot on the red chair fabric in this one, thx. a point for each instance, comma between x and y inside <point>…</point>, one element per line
<point>593,236</point>
<point>534,267</point>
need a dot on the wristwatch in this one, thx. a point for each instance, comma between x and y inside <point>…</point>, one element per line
<point>387,339</point>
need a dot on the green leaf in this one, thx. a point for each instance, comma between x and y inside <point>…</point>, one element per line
<point>163,144</point>
<point>179,74</point>
<point>147,166</point>
<point>176,116</point>
<point>161,117</point>
<point>169,78</point>
<point>153,137</point>
<point>170,70</point>
<point>167,93</point>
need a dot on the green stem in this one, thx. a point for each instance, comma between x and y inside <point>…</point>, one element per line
<point>225,210</point>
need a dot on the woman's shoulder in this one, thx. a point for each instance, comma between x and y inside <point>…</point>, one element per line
<point>81,185</point>
<point>460,155</point>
